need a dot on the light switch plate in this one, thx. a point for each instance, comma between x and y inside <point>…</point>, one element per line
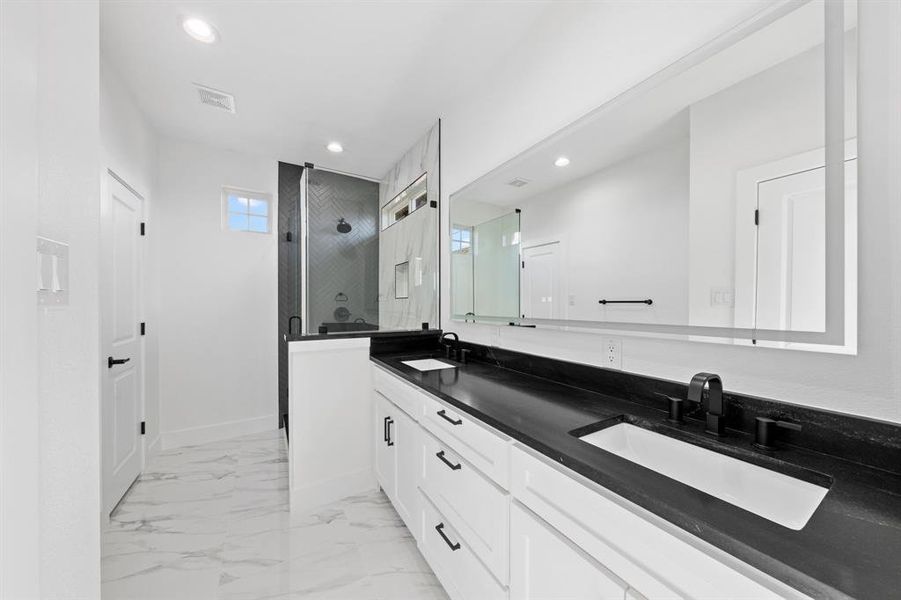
<point>52,272</point>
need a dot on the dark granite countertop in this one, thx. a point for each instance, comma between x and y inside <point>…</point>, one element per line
<point>851,547</point>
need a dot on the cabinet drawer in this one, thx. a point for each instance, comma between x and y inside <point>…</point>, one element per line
<point>486,450</point>
<point>401,393</point>
<point>461,573</point>
<point>477,507</point>
<point>653,561</point>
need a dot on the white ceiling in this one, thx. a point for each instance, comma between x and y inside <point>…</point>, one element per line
<point>372,75</point>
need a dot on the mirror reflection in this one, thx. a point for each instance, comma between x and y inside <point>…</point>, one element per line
<point>698,198</point>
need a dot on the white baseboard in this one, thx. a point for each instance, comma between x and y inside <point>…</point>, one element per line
<point>331,490</point>
<point>155,446</point>
<point>204,434</point>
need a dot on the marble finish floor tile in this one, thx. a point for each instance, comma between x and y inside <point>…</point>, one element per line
<point>214,522</point>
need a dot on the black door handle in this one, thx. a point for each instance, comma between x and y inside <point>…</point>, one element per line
<point>388,425</point>
<point>440,529</point>
<point>110,361</point>
<point>443,414</point>
<point>453,467</point>
<point>385,429</point>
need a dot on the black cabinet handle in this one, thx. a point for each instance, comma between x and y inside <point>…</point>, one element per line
<point>443,414</point>
<point>388,431</point>
<point>110,361</point>
<point>385,429</point>
<point>453,467</point>
<point>440,529</point>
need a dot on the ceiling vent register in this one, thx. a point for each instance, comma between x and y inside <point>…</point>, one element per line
<point>216,98</point>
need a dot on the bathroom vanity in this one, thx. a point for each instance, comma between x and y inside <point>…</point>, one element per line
<point>485,465</point>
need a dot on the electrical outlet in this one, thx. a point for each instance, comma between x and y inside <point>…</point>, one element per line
<point>613,353</point>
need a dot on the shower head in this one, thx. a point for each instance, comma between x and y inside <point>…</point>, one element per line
<point>343,226</point>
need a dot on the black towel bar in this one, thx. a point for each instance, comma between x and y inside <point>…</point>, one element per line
<point>648,302</point>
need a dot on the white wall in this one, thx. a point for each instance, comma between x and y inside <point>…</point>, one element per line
<point>623,235</point>
<point>20,451</point>
<point>593,52</point>
<point>68,338</point>
<point>129,148</point>
<point>218,298</point>
<point>49,515</point>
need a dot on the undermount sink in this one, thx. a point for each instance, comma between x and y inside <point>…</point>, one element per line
<point>780,498</point>
<point>428,364</point>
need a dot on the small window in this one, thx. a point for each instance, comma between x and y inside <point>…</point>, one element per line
<point>461,239</point>
<point>412,198</point>
<point>246,211</point>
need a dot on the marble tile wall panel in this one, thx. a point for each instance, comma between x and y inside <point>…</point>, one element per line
<point>413,239</point>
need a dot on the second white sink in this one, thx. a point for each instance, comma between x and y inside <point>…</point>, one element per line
<point>428,364</point>
<point>780,498</point>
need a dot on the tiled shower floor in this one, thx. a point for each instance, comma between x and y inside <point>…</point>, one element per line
<point>213,522</point>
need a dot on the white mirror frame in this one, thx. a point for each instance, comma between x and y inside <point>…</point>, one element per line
<point>841,300</point>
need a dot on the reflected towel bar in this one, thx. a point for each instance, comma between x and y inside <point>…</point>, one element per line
<point>648,302</point>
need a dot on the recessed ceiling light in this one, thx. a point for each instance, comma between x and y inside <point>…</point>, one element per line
<point>199,29</point>
<point>561,161</point>
<point>335,147</point>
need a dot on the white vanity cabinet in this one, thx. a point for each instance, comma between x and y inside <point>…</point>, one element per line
<point>545,565</point>
<point>654,558</point>
<point>495,519</point>
<point>477,507</point>
<point>397,451</point>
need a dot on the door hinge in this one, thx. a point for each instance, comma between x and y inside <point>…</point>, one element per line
<point>143,427</point>
<point>143,328</point>
<point>757,216</point>
<point>143,228</point>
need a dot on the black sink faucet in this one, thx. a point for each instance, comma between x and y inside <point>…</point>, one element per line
<point>451,350</point>
<point>716,408</point>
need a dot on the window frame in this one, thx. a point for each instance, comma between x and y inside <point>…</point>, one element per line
<point>250,195</point>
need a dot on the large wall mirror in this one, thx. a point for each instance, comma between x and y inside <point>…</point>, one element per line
<point>716,199</point>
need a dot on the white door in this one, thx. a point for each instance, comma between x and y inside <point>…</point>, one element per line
<point>544,565</point>
<point>122,382</point>
<point>541,298</point>
<point>791,252</point>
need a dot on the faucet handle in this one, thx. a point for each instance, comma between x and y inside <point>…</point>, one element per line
<point>765,431</point>
<point>675,410</point>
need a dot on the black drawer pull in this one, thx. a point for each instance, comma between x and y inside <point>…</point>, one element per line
<point>389,423</point>
<point>110,361</point>
<point>385,429</point>
<point>443,414</point>
<point>440,529</point>
<point>454,467</point>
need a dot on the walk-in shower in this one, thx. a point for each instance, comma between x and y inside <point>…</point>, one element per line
<point>341,232</point>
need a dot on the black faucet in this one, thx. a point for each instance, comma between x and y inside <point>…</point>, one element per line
<point>451,350</point>
<point>716,408</point>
